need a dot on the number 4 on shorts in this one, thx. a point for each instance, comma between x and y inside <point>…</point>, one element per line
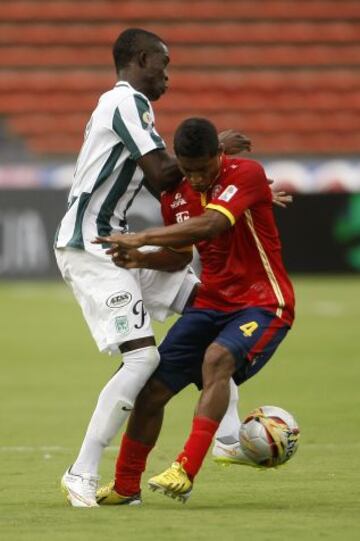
<point>249,328</point>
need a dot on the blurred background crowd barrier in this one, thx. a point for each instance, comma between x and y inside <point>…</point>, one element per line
<point>286,73</point>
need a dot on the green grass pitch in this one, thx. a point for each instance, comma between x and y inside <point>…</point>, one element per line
<point>50,377</point>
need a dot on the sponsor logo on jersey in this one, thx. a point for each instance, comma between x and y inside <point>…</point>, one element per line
<point>122,325</point>
<point>119,299</point>
<point>228,193</point>
<point>182,216</point>
<point>178,201</point>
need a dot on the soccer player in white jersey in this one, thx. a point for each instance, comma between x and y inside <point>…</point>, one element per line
<point>121,147</point>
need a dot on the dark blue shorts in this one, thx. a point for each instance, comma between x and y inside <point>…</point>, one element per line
<point>251,335</point>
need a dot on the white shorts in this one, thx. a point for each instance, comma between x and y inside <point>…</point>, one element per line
<point>117,303</point>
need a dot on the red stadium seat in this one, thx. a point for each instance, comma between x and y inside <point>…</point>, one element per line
<point>198,33</point>
<point>133,10</point>
<point>243,56</point>
<point>284,72</point>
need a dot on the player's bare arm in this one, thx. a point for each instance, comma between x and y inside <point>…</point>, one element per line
<point>160,170</point>
<point>206,226</point>
<point>165,259</point>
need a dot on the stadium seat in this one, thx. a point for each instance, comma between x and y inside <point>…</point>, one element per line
<point>190,32</point>
<point>286,73</point>
<point>130,10</point>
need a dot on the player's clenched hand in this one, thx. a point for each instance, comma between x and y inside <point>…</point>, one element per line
<point>128,259</point>
<point>281,199</point>
<point>234,142</point>
<point>119,240</point>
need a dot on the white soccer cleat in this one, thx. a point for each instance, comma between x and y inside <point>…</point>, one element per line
<point>80,489</point>
<point>227,451</point>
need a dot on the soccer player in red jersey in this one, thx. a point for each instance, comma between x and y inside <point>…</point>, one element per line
<point>242,310</point>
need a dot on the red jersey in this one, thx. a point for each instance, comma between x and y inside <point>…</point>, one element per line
<point>241,267</point>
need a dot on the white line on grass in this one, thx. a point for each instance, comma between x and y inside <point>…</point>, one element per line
<point>42,449</point>
<point>112,449</point>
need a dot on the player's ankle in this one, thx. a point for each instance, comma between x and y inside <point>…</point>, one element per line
<point>124,490</point>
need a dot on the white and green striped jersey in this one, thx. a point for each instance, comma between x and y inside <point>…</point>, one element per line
<point>107,177</point>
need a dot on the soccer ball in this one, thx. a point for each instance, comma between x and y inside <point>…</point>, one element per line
<point>269,436</point>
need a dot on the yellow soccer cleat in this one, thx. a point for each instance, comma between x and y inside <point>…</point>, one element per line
<point>173,482</point>
<point>107,495</point>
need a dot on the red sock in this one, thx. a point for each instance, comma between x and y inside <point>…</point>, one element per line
<point>197,445</point>
<point>130,464</point>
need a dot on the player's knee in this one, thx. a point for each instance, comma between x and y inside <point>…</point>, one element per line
<point>152,357</point>
<point>218,364</point>
<point>143,361</point>
<point>126,384</point>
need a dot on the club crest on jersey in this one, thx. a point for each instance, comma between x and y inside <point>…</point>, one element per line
<point>228,193</point>
<point>182,216</point>
<point>146,117</point>
<point>122,325</point>
<point>178,201</point>
<point>119,299</point>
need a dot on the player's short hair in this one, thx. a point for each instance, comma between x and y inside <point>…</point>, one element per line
<point>196,137</point>
<point>130,43</point>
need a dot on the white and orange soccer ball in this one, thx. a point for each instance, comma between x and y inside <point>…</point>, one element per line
<point>269,436</point>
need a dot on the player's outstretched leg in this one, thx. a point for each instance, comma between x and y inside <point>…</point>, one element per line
<point>116,400</point>
<point>227,448</point>
<point>228,451</point>
<point>177,481</point>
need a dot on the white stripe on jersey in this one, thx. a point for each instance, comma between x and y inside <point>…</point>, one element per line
<point>107,178</point>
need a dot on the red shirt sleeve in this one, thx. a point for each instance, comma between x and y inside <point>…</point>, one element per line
<point>166,212</point>
<point>246,187</point>
<point>169,217</point>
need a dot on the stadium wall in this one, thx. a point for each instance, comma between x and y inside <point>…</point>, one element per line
<point>320,232</point>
